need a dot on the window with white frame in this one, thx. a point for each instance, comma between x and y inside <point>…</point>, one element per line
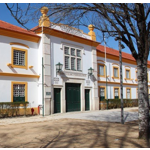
<point>19,58</point>
<point>72,58</point>
<point>128,93</point>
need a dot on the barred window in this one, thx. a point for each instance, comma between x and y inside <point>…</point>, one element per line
<point>66,50</point>
<point>72,51</point>
<point>72,58</point>
<point>78,53</point>
<point>72,63</point>
<point>19,58</point>
<point>78,64</point>
<point>66,62</point>
<point>19,90</point>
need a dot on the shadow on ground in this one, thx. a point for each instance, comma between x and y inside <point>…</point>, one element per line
<point>71,133</point>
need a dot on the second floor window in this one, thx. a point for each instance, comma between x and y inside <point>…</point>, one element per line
<point>72,58</point>
<point>19,58</point>
<point>128,74</point>
<point>101,70</point>
<point>116,72</point>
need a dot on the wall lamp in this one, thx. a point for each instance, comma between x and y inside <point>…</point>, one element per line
<point>58,67</point>
<point>90,72</point>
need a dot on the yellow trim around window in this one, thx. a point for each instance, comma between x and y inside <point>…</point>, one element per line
<point>130,92</point>
<point>15,43</point>
<point>26,88</point>
<point>12,56</point>
<point>117,72</point>
<point>19,75</point>
<point>118,91</point>
<point>99,64</point>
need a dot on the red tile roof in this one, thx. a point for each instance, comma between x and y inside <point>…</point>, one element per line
<point>11,27</point>
<point>114,52</point>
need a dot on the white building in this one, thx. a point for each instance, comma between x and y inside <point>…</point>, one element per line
<point>21,52</point>
<point>109,86</point>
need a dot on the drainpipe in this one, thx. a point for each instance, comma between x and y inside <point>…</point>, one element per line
<point>106,72</point>
<point>43,86</point>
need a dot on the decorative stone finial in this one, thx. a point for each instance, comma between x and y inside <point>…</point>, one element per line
<point>92,33</point>
<point>44,20</point>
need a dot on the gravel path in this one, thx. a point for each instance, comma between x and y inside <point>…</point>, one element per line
<point>113,115</point>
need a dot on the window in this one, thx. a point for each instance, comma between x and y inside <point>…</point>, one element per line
<point>101,70</point>
<point>115,72</point>
<point>116,93</point>
<point>66,62</point>
<point>19,91</point>
<point>72,58</point>
<point>128,76</point>
<point>128,93</point>
<point>136,74</point>
<point>102,93</point>
<point>19,58</point>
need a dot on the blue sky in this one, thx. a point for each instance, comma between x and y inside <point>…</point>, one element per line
<point>5,15</point>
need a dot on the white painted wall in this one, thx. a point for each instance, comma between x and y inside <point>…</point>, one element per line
<point>33,59</point>
<point>110,73</point>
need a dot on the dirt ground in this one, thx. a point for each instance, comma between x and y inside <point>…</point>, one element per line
<point>70,133</point>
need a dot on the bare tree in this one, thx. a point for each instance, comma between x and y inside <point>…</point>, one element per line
<point>129,22</point>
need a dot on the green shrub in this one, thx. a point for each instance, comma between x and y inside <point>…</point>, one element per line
<point>116,103</point>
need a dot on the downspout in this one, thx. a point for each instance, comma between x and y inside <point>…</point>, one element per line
<point>42,73</point>
<point>106,72</point>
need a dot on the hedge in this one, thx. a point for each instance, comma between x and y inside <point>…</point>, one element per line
<point>10,109</point>
<point>116,103</point>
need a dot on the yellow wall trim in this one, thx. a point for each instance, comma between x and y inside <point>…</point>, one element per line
<point>115,64</point>
<point>15,43</point>
<point>19,35</point>
<point>19,75</point>
<point>119,83</point>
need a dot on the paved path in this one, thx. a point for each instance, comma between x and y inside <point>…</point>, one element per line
<point>113,115</point>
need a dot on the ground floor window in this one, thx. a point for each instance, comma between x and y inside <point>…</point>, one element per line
<point>19,93</point>
<point>128,93</point>
<point>102,93</point>
<point>116,93</point>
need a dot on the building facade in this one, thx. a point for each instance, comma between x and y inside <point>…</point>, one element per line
<point>30,61</point>
<point>109,74</point>
<point>28,67</point>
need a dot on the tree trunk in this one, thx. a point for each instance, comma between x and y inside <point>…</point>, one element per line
<point>143,99</point>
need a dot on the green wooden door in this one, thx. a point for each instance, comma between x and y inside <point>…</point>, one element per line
<point>72,97</point>
<point>87,99</point>
<point>57,104</point>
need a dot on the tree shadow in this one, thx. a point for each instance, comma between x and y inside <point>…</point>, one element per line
<point>71,133</point>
